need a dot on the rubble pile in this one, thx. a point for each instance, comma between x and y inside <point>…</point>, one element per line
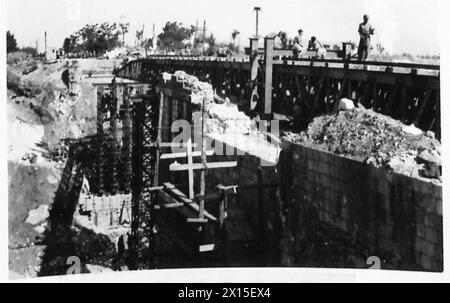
<point>199,89</point>
<point>226,118</point>
<point>223,116</point>
<point>376,139</point>
<point>42,113</point>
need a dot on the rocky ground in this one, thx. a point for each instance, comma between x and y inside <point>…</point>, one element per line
<point>43,107</point>
<point>376,139</point>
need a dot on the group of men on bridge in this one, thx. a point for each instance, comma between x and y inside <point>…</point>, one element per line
<point>365,30</point>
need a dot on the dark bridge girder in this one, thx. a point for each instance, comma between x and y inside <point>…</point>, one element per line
<point>310,88</point>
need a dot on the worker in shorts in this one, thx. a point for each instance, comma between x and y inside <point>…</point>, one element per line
<point>365,30</point>
<point>297,46</point>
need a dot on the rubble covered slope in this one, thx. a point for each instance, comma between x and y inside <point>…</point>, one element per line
<point>42,110</point>
<point>376,139</point>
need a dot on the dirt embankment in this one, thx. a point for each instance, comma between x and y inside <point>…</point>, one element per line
<point>376,139</point>
<point>42,109</point>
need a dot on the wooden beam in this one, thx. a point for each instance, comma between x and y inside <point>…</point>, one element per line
<point>184,154</point>
<point>422,106</point>
<point>168,144</point>
<point>190,171</point>
<point>180,196</point>
<point>196,220</point>
<point>197,166</point>
<point>268,62</point>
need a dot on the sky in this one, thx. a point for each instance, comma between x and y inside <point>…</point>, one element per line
<point>401,25</point>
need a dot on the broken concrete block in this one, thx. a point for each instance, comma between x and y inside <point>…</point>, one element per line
<point>412,130</point>
<point>346,104</point>
<point>38,215</point>
<point>432,162</point>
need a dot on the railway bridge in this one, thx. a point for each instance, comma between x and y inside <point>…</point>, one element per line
<point>272,84</point>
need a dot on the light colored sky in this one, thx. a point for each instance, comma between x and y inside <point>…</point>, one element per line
<point>401,25</point>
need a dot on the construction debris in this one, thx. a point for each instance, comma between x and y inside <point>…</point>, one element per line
<point>38,215</point>
<point>376,139</point>
<point>346,104</point>
<point>226,118</point>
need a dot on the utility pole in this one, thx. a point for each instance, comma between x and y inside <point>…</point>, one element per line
<point>257,9</point>
<point>45,43</point>
<point>154,35</point>
<point>204,30</point>
<point>196,30</point>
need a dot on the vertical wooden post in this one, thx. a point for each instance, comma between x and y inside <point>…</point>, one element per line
<point>190,170</point>
<point>268,59</point>
<point>253,72</point>
<point>222,207</point>
<point>203,171</point>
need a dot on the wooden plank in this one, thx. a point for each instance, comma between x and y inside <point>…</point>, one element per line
<point>168,199</point>
<point>168,144</point>
<point>201,211</point>
<point>197,166</point>
<point>190,171</point>
<point>206,247</point>
<point>170,188</point>
<point>184,154</point>
<point>197,220</point>
<point>422,106</point>
<point>172,205</point>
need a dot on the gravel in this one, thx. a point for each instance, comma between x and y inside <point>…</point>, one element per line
<point>374,138</point>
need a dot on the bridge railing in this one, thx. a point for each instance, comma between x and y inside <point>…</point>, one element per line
<point>300,89</point>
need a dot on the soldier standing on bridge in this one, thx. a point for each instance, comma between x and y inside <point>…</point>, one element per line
<point>297,48</point>
<point>365,30</point>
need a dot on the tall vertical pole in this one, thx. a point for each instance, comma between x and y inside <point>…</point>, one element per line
<point>268,59</point>
<point>195,33</point>
<point>201,202</point>
<point>268,70</point>
<point>257,9</point>
<point>257,24</point>
<point>254,72</point>
<point>45,42</point>
<point>204,30</point>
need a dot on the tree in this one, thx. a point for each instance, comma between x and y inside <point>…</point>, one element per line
<point>174,36</point>
<point>97,38</point>
<point>139,36</point>
<point>11,43</point>
<point>212,48</point>
<point>234,34</point>
<point>147,44</point>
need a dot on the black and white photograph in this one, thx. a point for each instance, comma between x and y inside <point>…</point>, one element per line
<point>161,135</point>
